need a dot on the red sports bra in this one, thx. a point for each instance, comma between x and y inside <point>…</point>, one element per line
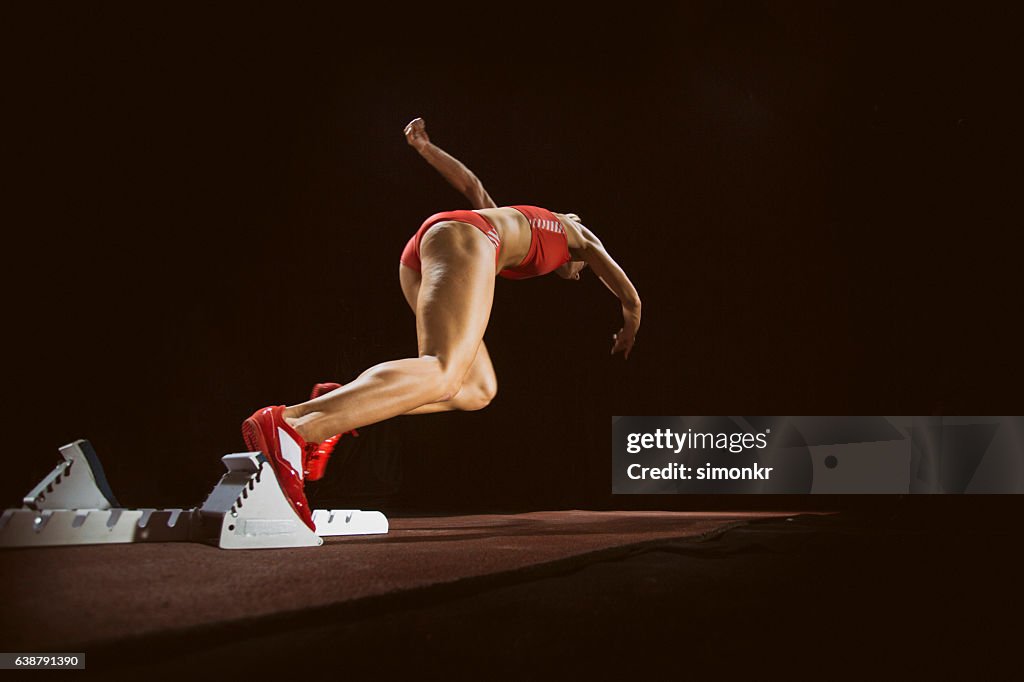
<point>549,247</point>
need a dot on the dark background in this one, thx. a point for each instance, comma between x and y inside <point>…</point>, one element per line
<point>207,208</point>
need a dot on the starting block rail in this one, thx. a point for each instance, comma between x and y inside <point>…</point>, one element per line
<point>74,505</point>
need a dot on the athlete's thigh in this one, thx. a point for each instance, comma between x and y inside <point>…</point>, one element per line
<point>455,294</point>
<point>481,372</point>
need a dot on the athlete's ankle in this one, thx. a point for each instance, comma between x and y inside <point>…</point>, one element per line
<point>305,425</point>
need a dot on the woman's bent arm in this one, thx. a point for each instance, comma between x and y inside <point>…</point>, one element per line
<point>453,170</point>
<point>615,278</point>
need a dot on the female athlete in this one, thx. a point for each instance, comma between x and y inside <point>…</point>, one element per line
<point>447,272</point>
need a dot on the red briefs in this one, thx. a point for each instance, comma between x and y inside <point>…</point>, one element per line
<point>549,247</point>
<point>411,252</point>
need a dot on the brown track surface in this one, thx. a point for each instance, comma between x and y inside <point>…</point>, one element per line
<point>91,595</point>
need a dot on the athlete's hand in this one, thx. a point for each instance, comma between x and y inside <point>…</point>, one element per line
<point>416,134</point>
<point>624,340</point>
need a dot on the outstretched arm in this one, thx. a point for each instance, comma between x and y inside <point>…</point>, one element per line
<point>592,251</point>
<point>453,170</point>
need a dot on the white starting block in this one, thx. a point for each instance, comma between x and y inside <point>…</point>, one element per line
<point>74,505</point>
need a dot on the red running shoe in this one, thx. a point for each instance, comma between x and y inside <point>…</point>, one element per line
<point>323,389</point>
<point>266,431</point>
<point>314,464</point>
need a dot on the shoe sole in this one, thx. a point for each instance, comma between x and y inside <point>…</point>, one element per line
<point>252,436</point>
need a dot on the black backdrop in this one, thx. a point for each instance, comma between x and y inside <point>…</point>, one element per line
<point>208,206</point>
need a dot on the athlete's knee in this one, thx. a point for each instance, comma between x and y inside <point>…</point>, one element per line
<point>450,387</point>
<point>447,377</point>
<point>478,396</point>
<point>478,400</point>
<point>488,390</point>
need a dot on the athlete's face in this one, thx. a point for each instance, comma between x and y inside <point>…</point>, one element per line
<point>571,270</point>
